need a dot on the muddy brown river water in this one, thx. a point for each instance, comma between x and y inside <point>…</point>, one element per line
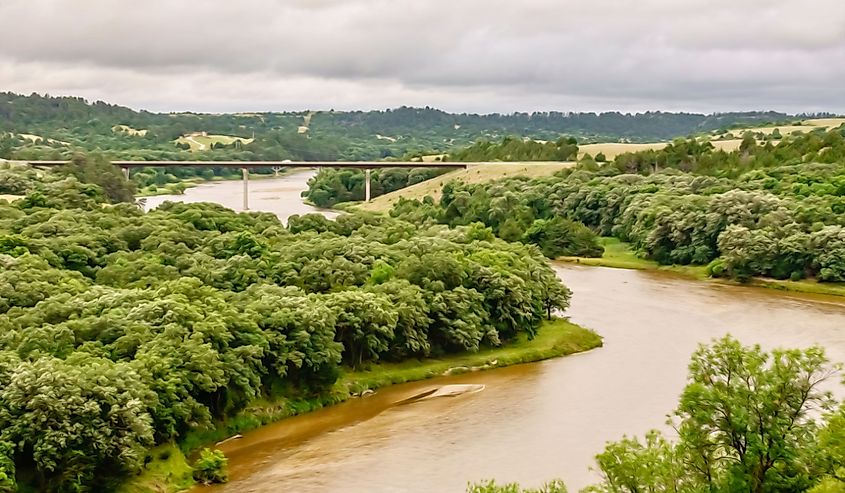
<point>531,422</point>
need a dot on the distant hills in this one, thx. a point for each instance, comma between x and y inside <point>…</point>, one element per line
<point>37,126</point>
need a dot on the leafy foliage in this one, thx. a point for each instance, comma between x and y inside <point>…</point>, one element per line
<point>211,467</point>
<point>559,236</point>
<point>60,126</point>
<point>121,329</point>
<point>516,149</point>
<point>331,186</point>
<point>779,220</point>
<point>746,421</point>
<point>490,486</point>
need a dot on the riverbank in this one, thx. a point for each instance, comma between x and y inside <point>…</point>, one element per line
<point>167,469</point>
<point>620,255</point>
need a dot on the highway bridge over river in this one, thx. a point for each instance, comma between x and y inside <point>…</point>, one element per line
<point>245,166</point>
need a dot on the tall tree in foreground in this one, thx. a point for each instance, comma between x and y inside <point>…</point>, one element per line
<point>746,422</point>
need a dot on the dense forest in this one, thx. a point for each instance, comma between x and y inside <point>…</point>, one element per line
<point>517,149</point>
<point>121,329</point>
<point>36,126</point>
<point>763,210</point>
<point>45,127</point>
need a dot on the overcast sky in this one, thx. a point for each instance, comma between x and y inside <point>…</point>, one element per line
<point>458,55</point>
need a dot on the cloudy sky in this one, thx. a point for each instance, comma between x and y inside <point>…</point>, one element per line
<point>459,55</point>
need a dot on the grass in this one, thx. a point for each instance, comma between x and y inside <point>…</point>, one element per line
<point>35,138</point>
<point>558,337</point>
<point>620,255</point>
<point>168,468</point>
<point>613,149</point>
<point>204,142</point>
<point>167,472</point>
<point>126,129</point>
<point>803,286</point>
<point>805,126</point>
<point>473,174</point>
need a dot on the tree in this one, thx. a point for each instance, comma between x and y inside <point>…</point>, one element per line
<point>554,486</point>
<point>559,236</point>
<point>211,467</point>
<point>99,426</point>
<point>744,422</point>
<point>365,324</point>
<point>752,410</point>
<point>7,468</point>
<point>97,170</point>
<point>628,466</point>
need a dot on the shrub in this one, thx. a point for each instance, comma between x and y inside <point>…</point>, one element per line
<point>554,486</point>
<point>211,467</point>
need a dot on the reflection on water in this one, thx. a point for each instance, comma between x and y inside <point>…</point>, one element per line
<point>280,196</point>
<point>531,422</point>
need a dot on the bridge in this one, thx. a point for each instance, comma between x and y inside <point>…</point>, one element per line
<point>245,166</point>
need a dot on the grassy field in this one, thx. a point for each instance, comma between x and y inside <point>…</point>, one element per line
<point>129,130</point>
<point>168,469</point>
<point>204,142</point>
<point>618,254</point>
<point>613,149</point>
<point>34,138</point>
<point>430,158</point>
<point>473,174</point>
<point>805,126</point>
<point>825,122</point>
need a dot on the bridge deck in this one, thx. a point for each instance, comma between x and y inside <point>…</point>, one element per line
<point>271,164</point>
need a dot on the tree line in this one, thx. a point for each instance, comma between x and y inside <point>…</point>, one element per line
<point>763,210</point>
<point>331,186</point>
<point>121,329</point>
<point>64,125</point>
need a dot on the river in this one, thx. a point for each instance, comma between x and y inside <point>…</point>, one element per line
<point>277,195</point>
<point>532,422</point>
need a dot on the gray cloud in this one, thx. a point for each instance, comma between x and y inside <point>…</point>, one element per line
<point>462,55</point>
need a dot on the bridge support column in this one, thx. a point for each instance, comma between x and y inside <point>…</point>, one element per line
<point>367,185</point>
<point>126,172</point>
<point>245,174</point>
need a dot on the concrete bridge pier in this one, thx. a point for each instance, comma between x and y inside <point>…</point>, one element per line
<point>367,185</point>
<point>245,174</point>
<point>125,172</point>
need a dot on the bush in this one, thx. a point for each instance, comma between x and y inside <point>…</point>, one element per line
<point>553,486</point>
<point>716,268</point>
<point>7,469</point>
<point>211,467</point>
<point>559,236</point>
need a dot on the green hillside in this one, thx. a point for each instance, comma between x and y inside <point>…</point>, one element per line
<point>68,124</point>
